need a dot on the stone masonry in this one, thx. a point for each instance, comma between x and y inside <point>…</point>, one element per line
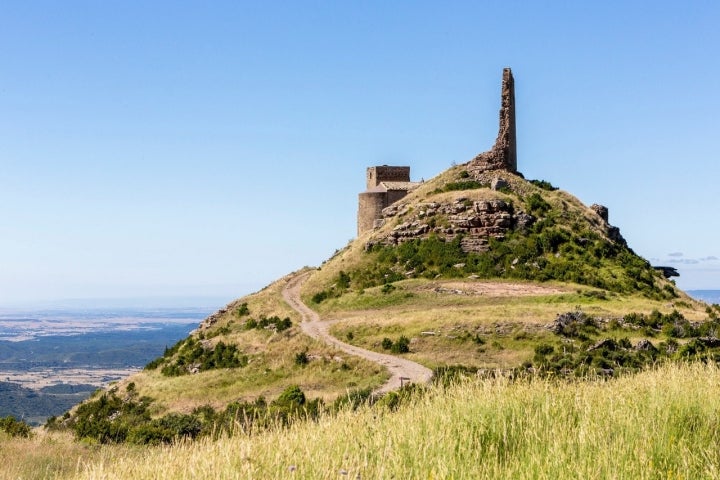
<point>388,184</point>
<point>385,186</point>
<point>503,155</point>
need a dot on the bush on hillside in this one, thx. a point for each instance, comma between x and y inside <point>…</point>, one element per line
<point>545,185</point>
<point>15,427</point>
<point>269,323</point>
<point>112,418</point>
<point>190,355</point>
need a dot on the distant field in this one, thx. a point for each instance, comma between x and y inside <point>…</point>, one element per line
<point>51,360</point>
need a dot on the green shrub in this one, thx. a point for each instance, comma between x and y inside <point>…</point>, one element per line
<point>292,395</point>
<point>545,185</point>
<point>273,323</point>
<point>242,310</point>
<point>402,345</point>
<point>544,349</point>
<point>343,280</point>
<point>15,427</point>
<point>386,343</point>
<point>302,358</point>
<point>353,399</point>
<point>320,297</point>
<point>193,355</point>
<point>537,205</point>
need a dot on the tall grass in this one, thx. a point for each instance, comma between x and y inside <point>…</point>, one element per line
<point>663,423</point>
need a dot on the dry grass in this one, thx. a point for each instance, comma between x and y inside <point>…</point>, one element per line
<point>271,369</point>
<point>43,456</point>
<point>658,424</point>
<point>442,326</point>
<point>329,373</point>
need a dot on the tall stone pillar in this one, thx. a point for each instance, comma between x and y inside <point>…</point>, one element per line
<point>503,155</point>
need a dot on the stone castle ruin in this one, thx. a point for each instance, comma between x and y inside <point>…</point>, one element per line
<point>475,222</point>
<point>503,155</point>
<point>386,185</point>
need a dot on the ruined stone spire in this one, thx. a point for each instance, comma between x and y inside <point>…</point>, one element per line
<point>503,155</point>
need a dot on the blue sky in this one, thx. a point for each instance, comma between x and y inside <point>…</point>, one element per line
<point>206,148</point>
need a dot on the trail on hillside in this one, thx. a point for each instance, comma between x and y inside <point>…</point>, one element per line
<point>402,371</point>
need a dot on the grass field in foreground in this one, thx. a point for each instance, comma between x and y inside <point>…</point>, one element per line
<point>663,423</point>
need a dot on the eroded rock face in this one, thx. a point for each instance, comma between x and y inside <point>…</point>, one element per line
<point>476,221</point>
<point>613,233</point>
<point>601,210</point>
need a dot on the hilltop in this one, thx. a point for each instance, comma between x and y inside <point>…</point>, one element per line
<point>477,271</point>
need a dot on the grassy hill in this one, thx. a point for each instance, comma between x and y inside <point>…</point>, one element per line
<point>270,364</point>
<point>426,296</point>
<point>484,286</point>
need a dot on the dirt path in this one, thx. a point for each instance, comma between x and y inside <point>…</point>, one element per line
<point>401,370</point>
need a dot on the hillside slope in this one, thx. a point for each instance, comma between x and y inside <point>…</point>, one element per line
<point>466,273</point>
<point>477,268</point>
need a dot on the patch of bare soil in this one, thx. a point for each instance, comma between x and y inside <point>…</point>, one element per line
<point>494,289</point>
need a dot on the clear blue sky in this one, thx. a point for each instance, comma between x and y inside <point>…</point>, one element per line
<point>178,148</point>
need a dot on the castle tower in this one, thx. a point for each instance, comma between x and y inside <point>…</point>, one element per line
<point>503,155</point>
<point>385,186</point>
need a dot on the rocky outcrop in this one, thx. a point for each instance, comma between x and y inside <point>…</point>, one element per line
<point>503,155</point>
<point>613,233</point>
<point>645,345</point>
<point>476,221</point>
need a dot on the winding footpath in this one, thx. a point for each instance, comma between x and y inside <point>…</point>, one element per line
<point>402,371</point>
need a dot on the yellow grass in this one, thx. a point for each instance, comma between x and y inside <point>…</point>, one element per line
<point>271,369</point>
<point>439,324</point>
<point>663,423</point>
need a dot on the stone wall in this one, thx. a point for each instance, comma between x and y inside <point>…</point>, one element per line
<point>370,206</point>
<point>503,155</point>
<point>385,173</point>
<point>380,195</point>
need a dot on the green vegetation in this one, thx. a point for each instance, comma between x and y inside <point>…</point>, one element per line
<point>537,205</point>
<point>191,355</point>
<point>463,185</point>
<point>272,323</point>
<point>14,427</point>
<point>401,345</point>
<point>112,418</point>
<point>545,185</point>
<point>546,253</point>
<point>242,310</point>
<point>341,285</point>
<point>590,346</point>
